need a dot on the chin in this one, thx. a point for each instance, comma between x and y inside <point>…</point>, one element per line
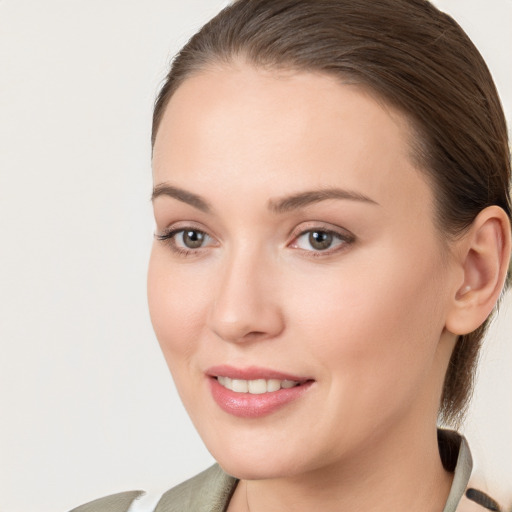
<point>257,463</point>
<point>245,470</point>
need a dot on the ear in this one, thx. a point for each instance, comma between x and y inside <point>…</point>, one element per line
<point>483,253</point>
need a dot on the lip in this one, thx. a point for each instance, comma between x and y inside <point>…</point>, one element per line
<point>247,405</point>
<point>252,373</point>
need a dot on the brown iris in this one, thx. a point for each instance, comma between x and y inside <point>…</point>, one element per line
<point>320,240</point>
<point>193,239</point>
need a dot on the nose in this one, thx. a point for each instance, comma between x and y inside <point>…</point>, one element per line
<point>246,306</point>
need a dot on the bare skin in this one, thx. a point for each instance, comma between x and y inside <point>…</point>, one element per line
<point>370,318</point>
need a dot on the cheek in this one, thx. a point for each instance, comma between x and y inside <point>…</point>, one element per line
<point>372,328</point>
<point>374,337</point>
<point>177,307</point>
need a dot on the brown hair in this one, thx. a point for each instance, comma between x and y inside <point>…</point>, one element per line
<point>417,59</point>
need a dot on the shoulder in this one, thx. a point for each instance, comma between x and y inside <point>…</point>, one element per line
<point>209,491</point>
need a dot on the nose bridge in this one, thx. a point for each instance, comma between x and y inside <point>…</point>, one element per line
<point>245,304</point>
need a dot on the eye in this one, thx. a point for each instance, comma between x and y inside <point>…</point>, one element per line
<point>321,240</point>
<point>186,240</point>
<point>190,238</point>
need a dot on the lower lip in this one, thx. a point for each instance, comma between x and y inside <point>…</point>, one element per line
<point>247,405</point>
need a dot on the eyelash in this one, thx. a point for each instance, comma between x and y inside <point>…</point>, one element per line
<point>169,237</point>
<point>344,239</point>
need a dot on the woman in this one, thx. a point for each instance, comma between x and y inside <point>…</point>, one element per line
<point>331,195</point>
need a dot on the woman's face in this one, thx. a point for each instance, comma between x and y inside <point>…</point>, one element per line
<point>297,285</point>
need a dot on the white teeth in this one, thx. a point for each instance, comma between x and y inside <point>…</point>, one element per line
<point>273,385</point>
<point>239,386</point>
<point>225,381</point>
<point>257,386</point>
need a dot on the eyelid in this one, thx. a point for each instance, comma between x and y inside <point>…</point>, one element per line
<point>305,227</point>
<point>176,227</point>
<point>168,236</point>
<point>342,234</point>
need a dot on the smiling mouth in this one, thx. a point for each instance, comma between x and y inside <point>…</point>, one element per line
<point>254,392</point>
<point>256,386</point>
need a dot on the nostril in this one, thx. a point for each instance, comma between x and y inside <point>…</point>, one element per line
<point>254,334</point>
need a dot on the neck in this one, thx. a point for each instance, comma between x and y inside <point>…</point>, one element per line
<point>405,475</point>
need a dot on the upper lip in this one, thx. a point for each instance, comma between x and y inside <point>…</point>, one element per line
<point>251,373</point>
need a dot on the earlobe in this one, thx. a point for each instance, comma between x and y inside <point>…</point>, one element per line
<point>484,258</point>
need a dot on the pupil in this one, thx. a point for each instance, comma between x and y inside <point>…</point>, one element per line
<point>193,239</point>
<point>320,240</point>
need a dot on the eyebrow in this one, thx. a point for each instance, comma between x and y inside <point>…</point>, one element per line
<point>303,199</point>
<point>283,205</point>
<point>184,196</point>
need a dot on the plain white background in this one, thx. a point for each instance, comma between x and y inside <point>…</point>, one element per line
<point>87,405</point>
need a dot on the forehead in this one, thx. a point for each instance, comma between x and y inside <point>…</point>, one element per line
<point>291,128</point>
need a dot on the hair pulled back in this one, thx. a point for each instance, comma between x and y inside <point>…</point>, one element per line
<point>414,57</point>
